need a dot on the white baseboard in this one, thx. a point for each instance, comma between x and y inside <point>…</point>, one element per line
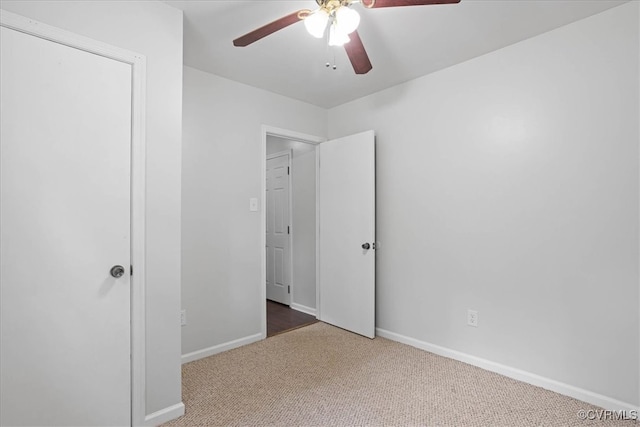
<point>517,374</point>
<point>206,352</point>
<point>303,308</point>
<point>164,415</point>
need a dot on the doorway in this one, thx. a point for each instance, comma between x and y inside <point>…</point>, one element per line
<point>290,184</point>
<point>344,256</point>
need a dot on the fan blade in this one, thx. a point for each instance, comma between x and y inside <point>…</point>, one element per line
<point>270,28</point>
<point>357,55</point>
<point>396,3</point>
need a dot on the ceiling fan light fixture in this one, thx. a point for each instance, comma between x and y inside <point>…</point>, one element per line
<point>316,23</point>
<point>337,37</point>
<point>342,21</point>
<point>347,19</point>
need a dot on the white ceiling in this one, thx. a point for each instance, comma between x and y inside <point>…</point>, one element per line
<point>403,42</point>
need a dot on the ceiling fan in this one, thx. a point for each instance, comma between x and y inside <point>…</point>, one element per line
<point>342,21</point>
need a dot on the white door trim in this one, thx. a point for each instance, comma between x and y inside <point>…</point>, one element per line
<point>138,153</point>
<point>318,300</point>
<point>279,154</point>
<point>296,136</point>
<point>288,153</point>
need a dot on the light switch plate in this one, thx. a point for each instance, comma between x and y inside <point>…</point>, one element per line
<point>253,204</point>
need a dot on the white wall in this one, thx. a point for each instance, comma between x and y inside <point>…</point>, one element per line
<point>509,184</point>
<point>303,201</point>
<point>222,158</point>
<point>155,30</point>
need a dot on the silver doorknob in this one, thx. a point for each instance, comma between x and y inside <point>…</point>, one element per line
<point>366,246</point>
<point>117,271</point>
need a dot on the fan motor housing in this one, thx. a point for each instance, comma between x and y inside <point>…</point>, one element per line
<point>331,6</point>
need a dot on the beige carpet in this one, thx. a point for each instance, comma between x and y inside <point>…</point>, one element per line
<point>320,375</point>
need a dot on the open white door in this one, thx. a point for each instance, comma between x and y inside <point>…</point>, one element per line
<point>347,233</point>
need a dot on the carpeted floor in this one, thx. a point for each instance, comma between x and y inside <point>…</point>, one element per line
<point>320,375</point>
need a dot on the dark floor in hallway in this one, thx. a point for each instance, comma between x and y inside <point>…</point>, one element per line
<point>282,318</point>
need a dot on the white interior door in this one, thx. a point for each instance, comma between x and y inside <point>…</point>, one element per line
<point>278,229</point>
<point>347,225</point>
<point>65,221</point>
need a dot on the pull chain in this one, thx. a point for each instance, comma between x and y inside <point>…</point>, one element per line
<point>328,64</point>
<point>333,51</point>
<point>327,53</point>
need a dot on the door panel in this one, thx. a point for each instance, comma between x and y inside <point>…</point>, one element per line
<point>65,221</point>
<point>278,242</point>
<point>347,221</point>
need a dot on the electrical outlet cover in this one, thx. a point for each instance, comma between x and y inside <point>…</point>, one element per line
<point>472,318</point>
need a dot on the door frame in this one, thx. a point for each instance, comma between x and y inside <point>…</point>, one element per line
<point>138,155</point>
<point>289,154</point>
<point>295,136</point>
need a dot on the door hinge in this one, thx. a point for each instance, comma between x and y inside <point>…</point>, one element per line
<point>131,270</point>
<point>288,289</point>
<point>288,229</point>
<point>288,170</point>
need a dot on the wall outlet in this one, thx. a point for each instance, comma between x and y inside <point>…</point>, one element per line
<point>472,318</point>
<point>183,317</point>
